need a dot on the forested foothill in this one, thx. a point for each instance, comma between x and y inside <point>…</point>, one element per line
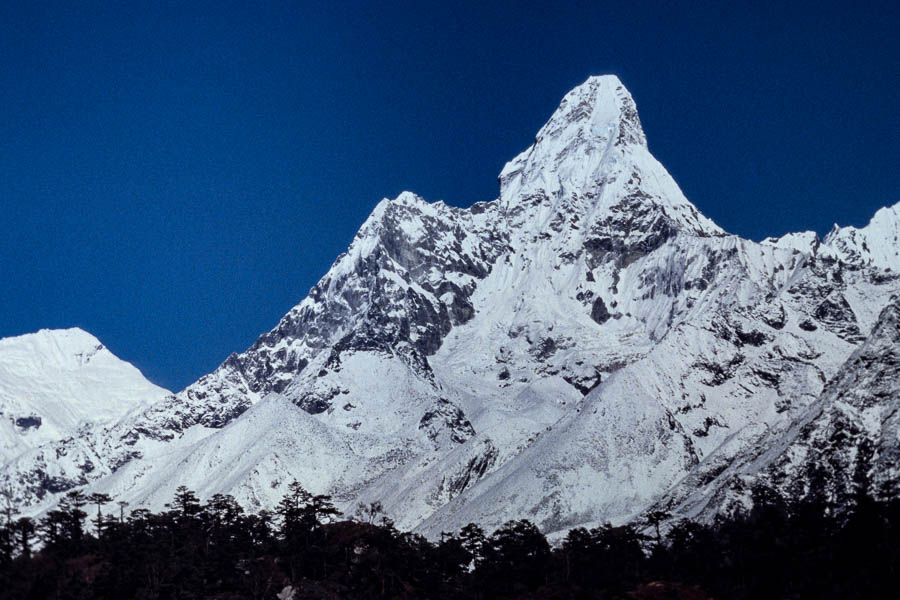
<point>91,547</point>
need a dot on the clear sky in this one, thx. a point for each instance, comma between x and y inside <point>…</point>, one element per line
<point>173,179</point>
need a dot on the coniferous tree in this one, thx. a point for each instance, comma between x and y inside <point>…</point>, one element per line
<point>653,519</point>
<point>24,532</point>
<point>7,529</point>
<point>99,500</point>
<point>474,541</point>
<point>518,557</point>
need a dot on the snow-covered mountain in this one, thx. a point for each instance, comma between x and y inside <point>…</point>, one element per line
<point>57,383</point>
<point>569,352</point>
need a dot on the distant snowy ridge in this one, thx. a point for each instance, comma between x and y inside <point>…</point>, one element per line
<point>877,244</point>
<point>569,352</point>
<point>54,383</point>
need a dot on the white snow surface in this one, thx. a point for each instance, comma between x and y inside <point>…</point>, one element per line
<point>54,383</point>
<point>570,352</point>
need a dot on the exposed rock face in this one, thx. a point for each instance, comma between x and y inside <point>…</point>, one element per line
<point>569,352</point>
<point>599,312</point>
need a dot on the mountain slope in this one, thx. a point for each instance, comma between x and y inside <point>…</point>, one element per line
<point>850,436</point>
<point>565,353</point>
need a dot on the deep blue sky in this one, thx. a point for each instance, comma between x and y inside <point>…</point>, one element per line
<point>174,179</point>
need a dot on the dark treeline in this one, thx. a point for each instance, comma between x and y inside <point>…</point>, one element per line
<point>90,548</point>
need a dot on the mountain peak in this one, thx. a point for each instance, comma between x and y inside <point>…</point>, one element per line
<point>599,104</point>
<point>591,120</point>
<point>591,161</point>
